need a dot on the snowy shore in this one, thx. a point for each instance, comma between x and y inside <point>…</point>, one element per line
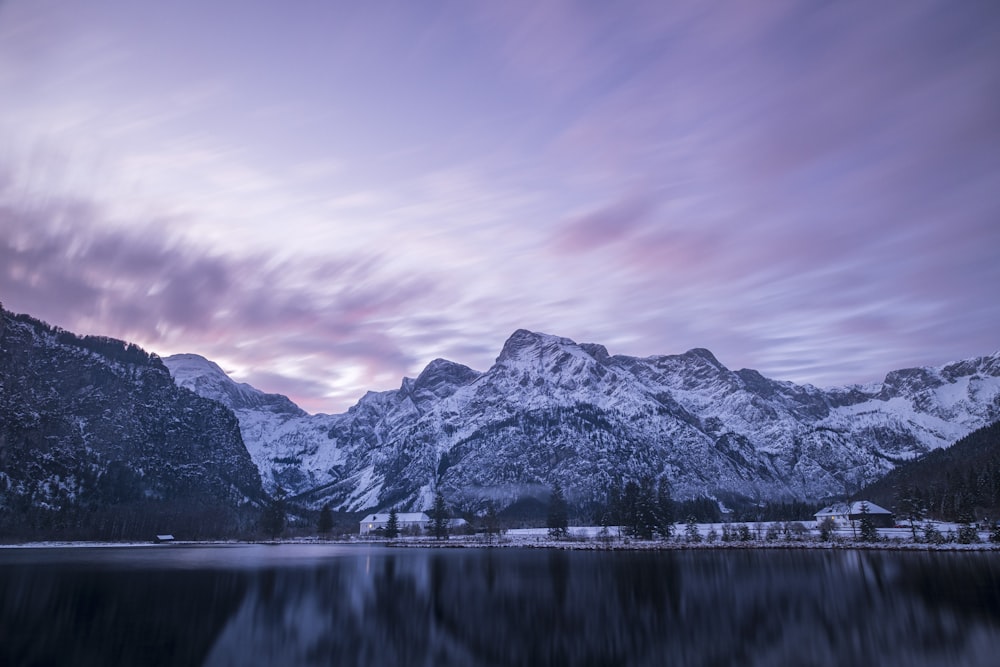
<point>594,538</point>
<point>591,538</point>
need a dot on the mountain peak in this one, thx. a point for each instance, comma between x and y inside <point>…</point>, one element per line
<point>596,350</point>
<point>186,367</point>
<point>523,343</point>
<point>442,377</point>
<point>206,378</point>
<point>702,353</point>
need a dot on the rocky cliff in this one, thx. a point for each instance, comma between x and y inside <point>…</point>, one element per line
<point>551,409</point>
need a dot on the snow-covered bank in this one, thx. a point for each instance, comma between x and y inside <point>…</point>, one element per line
<point>709,537</point>
<point>800,535</point>
<point>625,544</point>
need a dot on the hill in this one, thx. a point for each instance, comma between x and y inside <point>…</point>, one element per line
<point>97,442</point>
<point>948,483</point>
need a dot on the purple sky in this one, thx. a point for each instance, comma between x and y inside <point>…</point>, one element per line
<point>324,196</point>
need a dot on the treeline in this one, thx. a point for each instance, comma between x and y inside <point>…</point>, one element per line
<point>958,483</point>
<point>190,519</point>
<point>112,348</point>
<point>195,517</point>
<point>631,504</point>
<point>643,509</point>
<point>636,504</point>
<point>791,510</point>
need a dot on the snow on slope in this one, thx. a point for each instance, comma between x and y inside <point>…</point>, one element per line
<point>287,445</point>
<point>550,409</point>
<point>206,379</point>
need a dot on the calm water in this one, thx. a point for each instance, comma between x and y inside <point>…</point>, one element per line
<point>360,605</point>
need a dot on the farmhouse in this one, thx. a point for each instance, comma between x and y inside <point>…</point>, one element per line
<point>377,521</point>
<point>843,514</point>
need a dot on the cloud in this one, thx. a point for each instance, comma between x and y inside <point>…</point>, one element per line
<point>601,227</point>
<point>61,262</point>
<point>809,189</point>
<point>286,385</point>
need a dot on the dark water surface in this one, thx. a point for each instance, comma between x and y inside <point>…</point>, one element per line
<point>371,605</point>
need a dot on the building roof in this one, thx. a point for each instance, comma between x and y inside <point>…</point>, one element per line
<point>408,517</point>
<point>841,509</point>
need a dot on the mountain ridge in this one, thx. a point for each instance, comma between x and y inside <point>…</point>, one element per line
<point>550,409</point>
<point>96,439</point>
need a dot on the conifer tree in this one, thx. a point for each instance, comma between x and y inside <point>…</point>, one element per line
<point>325,524</point>
<point>967,531</point>
<point>612,515</point>
<point>727,533</point>
<point>691,530</point>
<point>640,516</point>
<point>492,524</point>
<point>558,520</point>
<point>273,517</point>
<point>629,508</point>
<point>439,523</point>
<point>647,520</point>
<point>932,534</point>
<point>392,525</point>
<point>911,509</point>
<point>664,511</point>
<point>868,532</point>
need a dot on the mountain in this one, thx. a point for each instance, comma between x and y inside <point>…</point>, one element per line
<point>550,409</point>
<point>206,379</point>
<point>97,440</point>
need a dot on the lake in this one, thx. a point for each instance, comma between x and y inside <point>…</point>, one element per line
<point>315,604</point>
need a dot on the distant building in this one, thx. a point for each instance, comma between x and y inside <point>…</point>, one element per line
<point>162,539</point>
<point>844,513</point>
<point>405,520</point>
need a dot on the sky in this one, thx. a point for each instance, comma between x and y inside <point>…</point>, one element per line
<point>324,196</point>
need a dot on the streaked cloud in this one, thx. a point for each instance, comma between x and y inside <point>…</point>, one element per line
<point>325,200</point>
<point>318,316</point>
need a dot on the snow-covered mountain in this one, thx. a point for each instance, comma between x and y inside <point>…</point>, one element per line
<point>97,440</point>
<point>551,409</point>
<point>206,379</point>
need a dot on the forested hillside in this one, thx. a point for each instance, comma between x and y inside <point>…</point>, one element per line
<point>97,442</point>
<point>948,483</point>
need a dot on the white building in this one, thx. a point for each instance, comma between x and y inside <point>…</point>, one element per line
<point>404,520</point>
<point>843,514</point>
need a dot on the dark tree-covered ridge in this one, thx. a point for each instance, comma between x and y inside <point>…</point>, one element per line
<point>97,442</point>
<point>947,483</point>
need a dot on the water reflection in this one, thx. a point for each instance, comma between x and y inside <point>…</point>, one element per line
<point>299,605</point>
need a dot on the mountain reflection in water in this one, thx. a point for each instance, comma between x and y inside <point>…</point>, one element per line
<point>322,605</point>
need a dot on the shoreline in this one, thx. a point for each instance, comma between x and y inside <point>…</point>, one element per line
<point>654,545</point>
<point>463,542</point>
